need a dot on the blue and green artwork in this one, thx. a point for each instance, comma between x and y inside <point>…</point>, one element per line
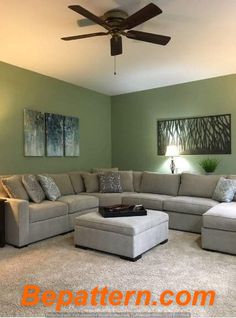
<point>54,135</point>
<point>71,135</point>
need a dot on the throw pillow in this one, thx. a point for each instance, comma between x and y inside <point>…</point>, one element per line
<point>49,186</point>
<point>14,188</point>
<point>110,182</point>
<point>91,182</point>
<point>33,188</point>
<point>225,190</point>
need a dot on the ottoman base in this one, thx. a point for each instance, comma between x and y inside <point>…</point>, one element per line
<point>131,259</point>
<point>129,246</point>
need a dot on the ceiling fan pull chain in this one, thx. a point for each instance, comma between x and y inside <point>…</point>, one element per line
<point>114,65</point>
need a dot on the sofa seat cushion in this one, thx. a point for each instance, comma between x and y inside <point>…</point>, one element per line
<point>189,205</point>
<point>79,202</point>
<point>221,217</point>
<point>148,200</point>
<point>46,210</point>
<point>127,226</point>
<point>106,199</point>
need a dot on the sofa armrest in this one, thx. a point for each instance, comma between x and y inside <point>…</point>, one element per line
<point>16,222</point>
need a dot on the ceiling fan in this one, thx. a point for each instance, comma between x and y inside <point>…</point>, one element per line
<point>117,22</point>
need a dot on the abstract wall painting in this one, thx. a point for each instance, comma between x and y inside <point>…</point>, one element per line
<point>197,135</point>
<point>34,133</point>
<point>71,136</point>
<point>54,135</point>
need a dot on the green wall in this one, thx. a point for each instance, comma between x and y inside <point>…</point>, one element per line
<point>21,89</point>
<point>134,116</point>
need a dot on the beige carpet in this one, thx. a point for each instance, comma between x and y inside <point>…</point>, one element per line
<point>179,264</point>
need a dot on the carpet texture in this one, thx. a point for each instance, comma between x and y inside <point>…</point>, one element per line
<point>56,264</point>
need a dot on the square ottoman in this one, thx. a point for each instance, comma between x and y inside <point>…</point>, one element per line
<point>128,237</point>
<point>219,228</point>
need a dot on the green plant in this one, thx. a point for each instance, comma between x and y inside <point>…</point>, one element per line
<point>209,165</point>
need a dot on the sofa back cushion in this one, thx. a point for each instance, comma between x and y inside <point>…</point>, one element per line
<point>137,179</point>
<point>127,181</point>
<point>101,170</point>
<point>14,187</point>
<point>33,188</point>
<point>91,182</point>
<point>198,185</point>
<point>160,183</point>
<point>77,181</point>
<point>63,182</point>
<point>3,193</point>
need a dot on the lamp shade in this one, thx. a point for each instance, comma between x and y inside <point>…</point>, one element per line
<point>172,151</point>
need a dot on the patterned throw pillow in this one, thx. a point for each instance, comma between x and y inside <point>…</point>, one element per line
<point>33,188</point>
<point>225,190</point>
<point>110,182</point>
<point>49,186</point>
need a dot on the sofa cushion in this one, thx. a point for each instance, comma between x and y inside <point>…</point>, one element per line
<point>3,192</point>
<point>63,182</point>
<point>189,205</point>
<point>148,200</point>
<point>221,217</point>
<point>198,185</point>
<point>77,181</point>
<point>46,210</point>
<point>91,182</point>
<point>225,190</point>
<point>107,199</point>
<point>14,187</point>
<point>77,202</point>
<point>160,183</point>
<point>109,182</point>
<point>127,181</point>
<point>137,179</point>
<point>127,226</point>
<point>33,188</point>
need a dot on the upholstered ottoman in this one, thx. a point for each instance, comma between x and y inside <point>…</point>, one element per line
<point>128,237</point>
<point>219,228</point>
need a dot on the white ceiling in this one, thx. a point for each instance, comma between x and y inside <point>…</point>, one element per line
<point>203,43</point>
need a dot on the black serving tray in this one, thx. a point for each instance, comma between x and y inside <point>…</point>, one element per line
<point>115,211</point>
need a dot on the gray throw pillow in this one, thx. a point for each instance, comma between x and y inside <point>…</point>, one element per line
<point>91,182</point>
<point>49,186</point>
<point>33,188</point>
<point>110,182</point>
<point>225,190</point>
<point>14,187</point>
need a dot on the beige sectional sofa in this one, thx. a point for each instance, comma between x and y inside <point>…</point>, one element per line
<point>187,198</point>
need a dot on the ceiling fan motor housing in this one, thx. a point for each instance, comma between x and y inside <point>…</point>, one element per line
<point>114,17</point>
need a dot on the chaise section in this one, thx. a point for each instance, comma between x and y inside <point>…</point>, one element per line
<point>219,228</point>
<point>148,200</point>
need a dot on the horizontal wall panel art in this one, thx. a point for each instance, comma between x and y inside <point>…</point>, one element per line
<point>195,136</point>
<point>51,134</point>
<point>34,133</point>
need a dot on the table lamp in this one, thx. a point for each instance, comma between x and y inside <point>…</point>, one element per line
<point>172,151</point>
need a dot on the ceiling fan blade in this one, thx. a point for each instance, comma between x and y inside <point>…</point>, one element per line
<point>84,36</point>
<point>148,37</point>
<point>89,15</point>
<point>116,45</point>
<point>141,16</point>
